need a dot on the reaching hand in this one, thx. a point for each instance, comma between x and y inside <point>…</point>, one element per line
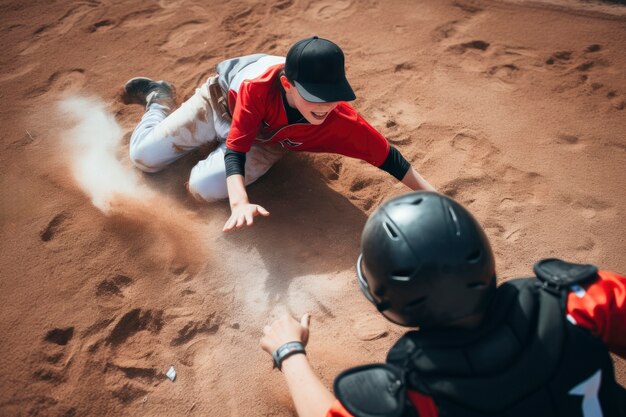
<point>285,330</point>
<point>243,214</point>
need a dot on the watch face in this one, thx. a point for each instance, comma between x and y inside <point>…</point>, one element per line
<point>286,350</point>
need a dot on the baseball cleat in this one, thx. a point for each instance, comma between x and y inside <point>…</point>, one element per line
<point>145,91</point>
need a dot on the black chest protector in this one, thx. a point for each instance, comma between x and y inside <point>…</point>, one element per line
<point>526,359</point>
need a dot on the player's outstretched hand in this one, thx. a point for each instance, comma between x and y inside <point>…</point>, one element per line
<point>243,215</point>
<point>284,330</point>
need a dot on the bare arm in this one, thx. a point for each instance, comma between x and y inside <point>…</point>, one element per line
<point>242,212</point>
<point>310,396</point>
<point>416,182</point>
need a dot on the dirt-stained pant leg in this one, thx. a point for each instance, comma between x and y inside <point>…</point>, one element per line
<point>208,178</point>
<point>162,137</point>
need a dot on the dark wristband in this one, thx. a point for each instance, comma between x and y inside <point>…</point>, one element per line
<point>235,162</point>
<point>395,164</point>
<point>286,350</point>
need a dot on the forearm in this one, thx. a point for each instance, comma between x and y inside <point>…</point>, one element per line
<point>416,182</point>
<point>237,194</point>
<point>242,212</point>
<point>310,396</point>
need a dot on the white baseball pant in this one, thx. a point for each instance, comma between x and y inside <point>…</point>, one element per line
<point>162,137</point>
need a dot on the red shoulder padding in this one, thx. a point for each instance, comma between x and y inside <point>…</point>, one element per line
<point>601,308</point>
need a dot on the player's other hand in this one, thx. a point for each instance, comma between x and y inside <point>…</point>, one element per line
<point>284,330</point>
<point>243,215</point>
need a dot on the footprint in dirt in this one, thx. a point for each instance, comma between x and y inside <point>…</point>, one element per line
<point>282,4</point>
<point>404,66</point>
<point>193,328</point>
<point>593,48</point>
<point>579,69</point>
<point>113,287</point>
<point>239,24</point>
<point>20,72</point>
<point>182,35</point>
<point>451,28</point>
<point>60,337</point>
<point>110,293</point>
<point>559,58</point>
<point>135,321</point>
<point>445,31</point>
<point>570,142</point>
<point>332,10</point>
<point>467,7</point>
<point>461,48</point>
<point>54,226</point>
<point>69,81</point>
<point>589,207</point>
<point>140,374</point>
<point>331,171</point>
<point>131,369</point>
<point>360,183</point>
<point>506,72</point>
<point>471,151</point>
<point>70,19</point>
<point>55,356</point>
<point>128,393</point>
<point>368,327</point>
<point>101,26</point>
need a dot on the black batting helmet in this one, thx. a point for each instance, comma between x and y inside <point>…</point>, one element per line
<point>425,261</point>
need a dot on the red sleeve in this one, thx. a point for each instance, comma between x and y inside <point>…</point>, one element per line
<point>601,308</point>
<point>247,117</point>
<point>349,134</point>
<point>337,410</point>
<point>424,405</point>
<point>377,145</point>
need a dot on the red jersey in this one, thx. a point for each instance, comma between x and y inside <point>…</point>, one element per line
<point>599,307</point>
<point>258,116</point>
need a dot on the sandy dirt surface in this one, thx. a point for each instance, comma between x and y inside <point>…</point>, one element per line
<point>108,276</point>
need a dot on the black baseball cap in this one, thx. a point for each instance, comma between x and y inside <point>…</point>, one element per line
<point>316,67</point>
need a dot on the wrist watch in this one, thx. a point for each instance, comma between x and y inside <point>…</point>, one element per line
<point>286,350</point>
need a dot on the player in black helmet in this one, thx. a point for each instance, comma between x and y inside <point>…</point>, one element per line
<point>536,346</point>
<point>429,263</point>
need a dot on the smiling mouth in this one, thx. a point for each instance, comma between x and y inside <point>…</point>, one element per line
<point>319,116</point>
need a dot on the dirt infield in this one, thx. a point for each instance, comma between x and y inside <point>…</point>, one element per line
<point>108,276</point>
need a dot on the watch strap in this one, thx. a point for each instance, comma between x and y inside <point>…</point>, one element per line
<point>286,350</point>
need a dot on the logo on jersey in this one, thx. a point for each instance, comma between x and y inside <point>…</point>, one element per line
<point>588,389</point>
<point>288,143</point>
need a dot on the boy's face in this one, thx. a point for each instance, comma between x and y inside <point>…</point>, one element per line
<point>314,113</point>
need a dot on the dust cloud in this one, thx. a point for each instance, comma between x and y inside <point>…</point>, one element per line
<point>93,144</point>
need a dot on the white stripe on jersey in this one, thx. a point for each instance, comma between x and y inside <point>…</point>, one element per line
<point>255,70</point>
